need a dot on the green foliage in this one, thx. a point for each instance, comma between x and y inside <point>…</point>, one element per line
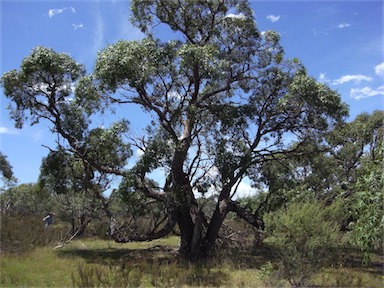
<point>21,234</point>
<point>267,275</point>
<point>367,230</point>
<point>25,199</point>
<point>127,61</point>
<point>106,147</point>
<point>87,95</point>
<point>60,173</point>
<point>5,167</point>
<point>45,78</point>
<point>352,144</point>
<point>304,238</point>
<point>96,276</point>
<point>7,178</point>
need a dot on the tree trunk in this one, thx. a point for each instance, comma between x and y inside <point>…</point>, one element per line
<point>191,228</point>
<point>194,246</point>
<point>186,233</point>
<point>214,228</point>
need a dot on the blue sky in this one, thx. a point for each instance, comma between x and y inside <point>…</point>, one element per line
<point>340,43</point>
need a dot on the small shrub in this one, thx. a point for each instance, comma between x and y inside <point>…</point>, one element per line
<point>202,275</point>
<point>268,275</point>
<point>303,236</point>
<point>94,275</point>
<point>169,275</point>
<point>20,234</point>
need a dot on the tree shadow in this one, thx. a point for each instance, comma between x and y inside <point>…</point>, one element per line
<point>353,260</point>
<point>249,258</point>
<point>157,253</point>
<point>160,264</point>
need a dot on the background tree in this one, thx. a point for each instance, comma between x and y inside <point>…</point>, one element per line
<point>7,176</point>
<point>366,190</point>
<point>76,189</point>
<point>345,171</point>
<point>26,199</point>
<point>223,100</point>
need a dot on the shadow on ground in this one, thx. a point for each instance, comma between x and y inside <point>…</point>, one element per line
<point>98,255</point>
<point>240,259</point>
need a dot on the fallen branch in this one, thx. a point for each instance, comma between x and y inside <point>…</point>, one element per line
<point>77,232</point>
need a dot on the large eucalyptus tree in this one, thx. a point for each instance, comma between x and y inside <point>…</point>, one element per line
<point>223,101</point>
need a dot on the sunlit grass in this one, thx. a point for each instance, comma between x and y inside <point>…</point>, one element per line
<point>40,268</point>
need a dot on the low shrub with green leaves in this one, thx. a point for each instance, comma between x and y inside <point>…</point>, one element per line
<point>20,234</point>
<point>303,235</point>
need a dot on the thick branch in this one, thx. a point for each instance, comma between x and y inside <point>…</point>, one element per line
<point>252,219</point>
<point>150,192</point>
<point>119,236</point>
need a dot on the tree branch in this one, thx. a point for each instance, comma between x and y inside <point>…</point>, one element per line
<point>252,219</point>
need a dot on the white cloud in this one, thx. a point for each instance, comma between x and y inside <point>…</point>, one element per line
<point>245,189</point>
<point>53,12</point>
<point>379,69</point>
<point>273,18</point>
<point>5,130</point>
<point>78,26</point>
<point>316,32</point>
<point>366,92</point>
<point>344,25</point>
<point>355,78</point>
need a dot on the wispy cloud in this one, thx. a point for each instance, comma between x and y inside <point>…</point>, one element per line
<point>343,25</point>
<point>98,34</point>
<point>273,18</point>
<point>316,32</point>
<point>78,26</point>
<point>379,69</point>
<point>325,31</point>
<point>355,78</point>
<point>5,130</point>
<point>56,11</point>
<point>366,92</point>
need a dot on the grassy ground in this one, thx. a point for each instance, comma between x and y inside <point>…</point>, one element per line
<point>91,263</point>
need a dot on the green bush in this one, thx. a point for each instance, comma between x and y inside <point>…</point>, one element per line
<point>303,236</point>
<point>20,234</point>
